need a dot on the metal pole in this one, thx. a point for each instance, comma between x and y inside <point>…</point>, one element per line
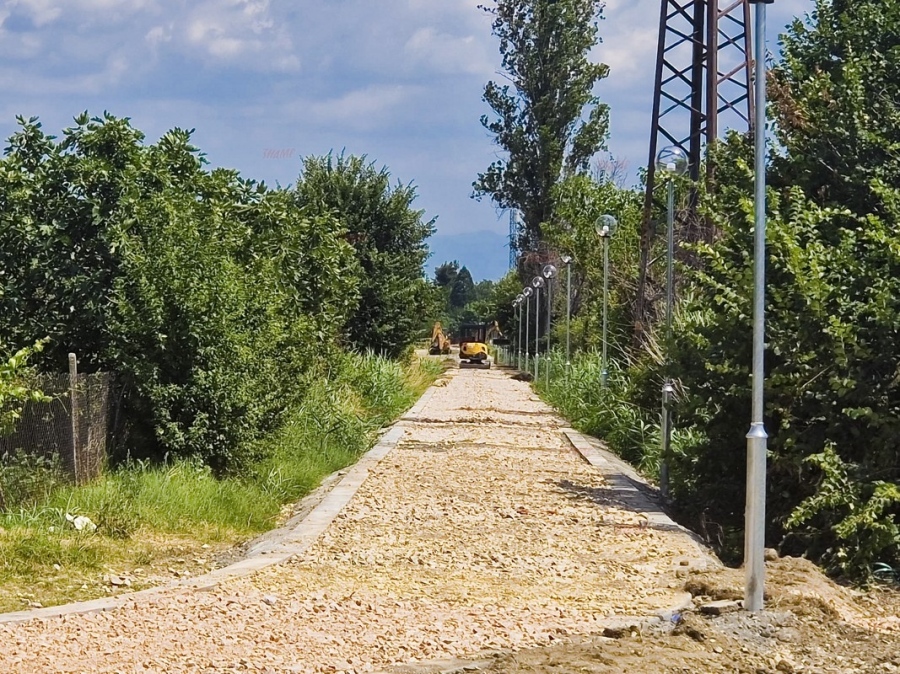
<point>73,411</point>
<point>670,256</point>
<point>549,326</point>
<point>604,371</point>
<point>519,340</point>
<point>537,325</point>
<point>757,438</point>
<point>668,389</point>
<point>568,315</point>
<point>527,325</point>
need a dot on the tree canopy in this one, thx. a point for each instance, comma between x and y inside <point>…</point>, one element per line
<point>388,237</point>
<point>208,295</point>
<point>549,121</point>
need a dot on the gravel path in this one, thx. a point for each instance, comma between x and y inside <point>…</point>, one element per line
<point>481,530</point>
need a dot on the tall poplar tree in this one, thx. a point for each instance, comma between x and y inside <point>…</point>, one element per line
<point>549,121</point>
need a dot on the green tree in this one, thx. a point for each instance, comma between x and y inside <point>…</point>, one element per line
<point>388,236</point>
<point>445,274</point>
<point>836,96</point>
<point>182,281</point>
<point>581,200</point>
<point>549,121</point>
<point>463,289</point>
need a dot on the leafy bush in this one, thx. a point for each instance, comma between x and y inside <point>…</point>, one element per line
<point>210,295</point>
<point>27,480</point>
<point>855,514</point>
<point>24,479</point>
<point>15,387</point>
<point>833,351</point>
<point>388,237</point>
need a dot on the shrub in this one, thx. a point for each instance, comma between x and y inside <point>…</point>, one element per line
<point>190,284</point>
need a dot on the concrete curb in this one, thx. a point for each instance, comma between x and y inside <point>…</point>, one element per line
<point>636,491</point>
<point>274,547</point>
<point>640,495</point>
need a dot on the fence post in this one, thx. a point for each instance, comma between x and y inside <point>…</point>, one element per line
<point>73,410</point>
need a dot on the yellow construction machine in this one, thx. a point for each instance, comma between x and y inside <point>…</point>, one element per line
<point>440,343</point>
<point>473,341</point>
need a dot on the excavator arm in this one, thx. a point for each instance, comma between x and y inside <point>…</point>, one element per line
<point>440,343</point>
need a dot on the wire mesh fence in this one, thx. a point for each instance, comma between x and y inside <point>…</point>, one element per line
<point>75,436</point>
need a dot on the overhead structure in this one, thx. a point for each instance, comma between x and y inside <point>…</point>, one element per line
<point>513,238</point>
<point>702,86</point>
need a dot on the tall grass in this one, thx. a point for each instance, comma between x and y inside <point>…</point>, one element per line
<point>342,407</point>
<point>620,414</point>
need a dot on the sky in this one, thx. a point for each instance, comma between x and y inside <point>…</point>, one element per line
<point>266,82</point>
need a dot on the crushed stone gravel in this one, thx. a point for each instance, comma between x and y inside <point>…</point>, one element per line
<point>481,531</point>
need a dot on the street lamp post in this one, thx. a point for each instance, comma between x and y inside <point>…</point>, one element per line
<point>567,260</point>
<point>549,272</point>
<point>757,438</point>
<point>518,304</point>
<point>673,161</point>
<point>606,225</point>
<point>527,292</point>
<point>537,283</point>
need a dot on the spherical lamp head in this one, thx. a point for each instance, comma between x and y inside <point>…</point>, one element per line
<point>566,259</point>
<point>672,159</point>
<point>527,291</point>
<point>549,271</point>
<point>538,282</point>
<point>606,225</point>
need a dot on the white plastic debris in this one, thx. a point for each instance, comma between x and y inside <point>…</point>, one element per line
<point>81,523</point>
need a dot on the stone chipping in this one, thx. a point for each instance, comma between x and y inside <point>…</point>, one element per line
<point>482,530</point>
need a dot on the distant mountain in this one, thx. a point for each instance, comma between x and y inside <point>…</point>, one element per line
<point>485,254</point>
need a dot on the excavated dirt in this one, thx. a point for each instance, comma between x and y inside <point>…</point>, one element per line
<point>810,625</point>
<point>481,533</point>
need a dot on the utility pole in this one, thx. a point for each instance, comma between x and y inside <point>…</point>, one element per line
<point>702,85</point>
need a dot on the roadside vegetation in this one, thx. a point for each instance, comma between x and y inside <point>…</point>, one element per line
<point>158,521</point>
<point>258,337</point>
<point>456,299</point>
<point>833,340</point>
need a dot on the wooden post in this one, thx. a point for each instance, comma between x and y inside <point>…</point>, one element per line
<point>73,410</point>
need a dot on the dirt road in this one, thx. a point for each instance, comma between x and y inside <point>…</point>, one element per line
<point>482,530</point>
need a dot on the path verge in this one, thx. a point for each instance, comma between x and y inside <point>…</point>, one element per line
<point>315,512</point>
<point>482,531</point>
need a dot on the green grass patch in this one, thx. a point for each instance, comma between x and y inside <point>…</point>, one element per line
<point>610,414</point>
<point>154,518</point>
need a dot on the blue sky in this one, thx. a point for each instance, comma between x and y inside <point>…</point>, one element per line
<point>265,82</point>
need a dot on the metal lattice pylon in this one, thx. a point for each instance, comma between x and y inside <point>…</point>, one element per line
<point>702,86</point>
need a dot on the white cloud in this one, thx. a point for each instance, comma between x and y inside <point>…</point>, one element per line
<point>444,53</point>
<point>369,108</point>
<point>42,12</point>
<point>240,32</point>
<point>159,34</point>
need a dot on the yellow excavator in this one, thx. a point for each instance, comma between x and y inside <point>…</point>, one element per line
<point>473,341</point>
<point>440,343</point>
